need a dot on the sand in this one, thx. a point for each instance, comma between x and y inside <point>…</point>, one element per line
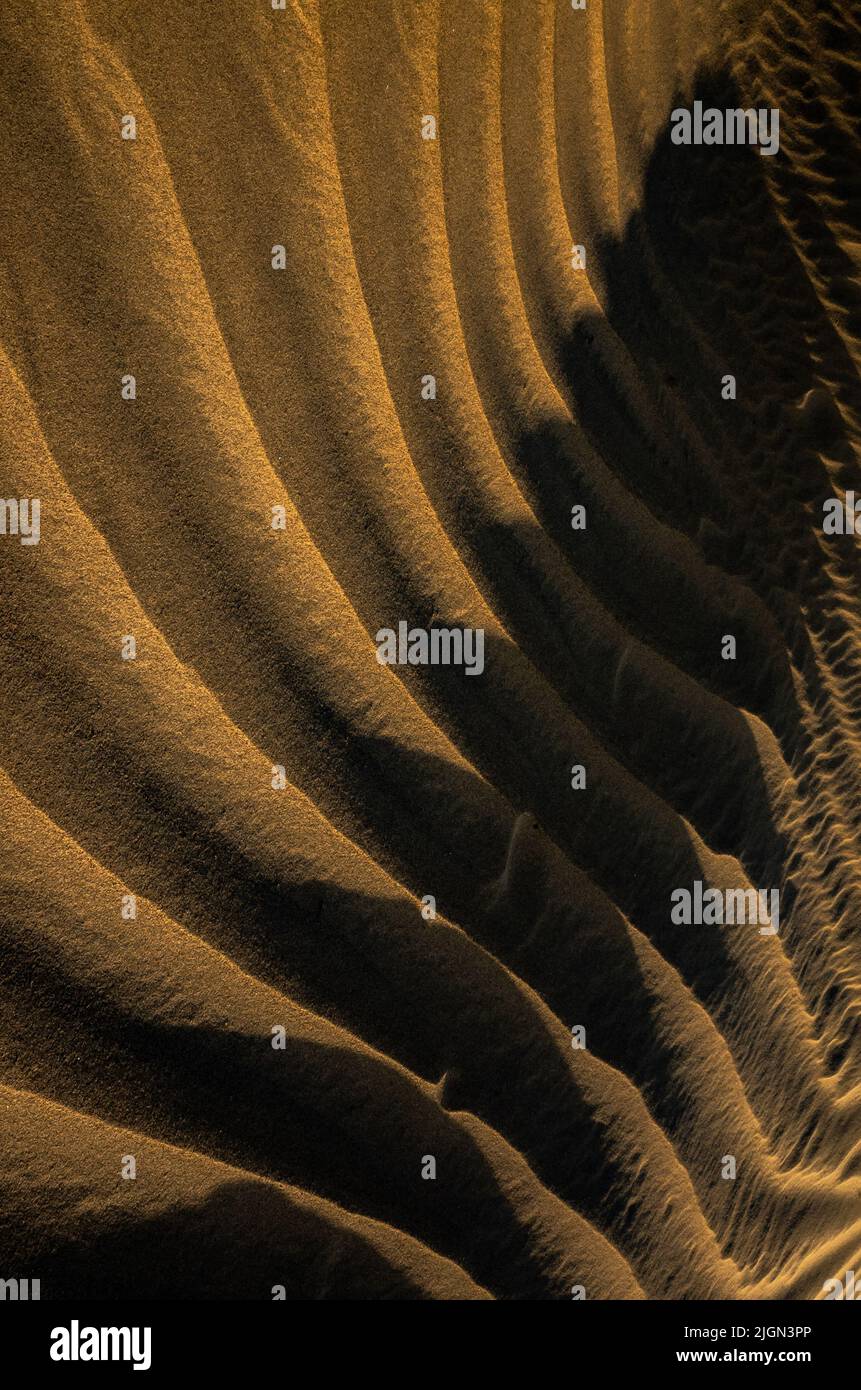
<point>298,947</point>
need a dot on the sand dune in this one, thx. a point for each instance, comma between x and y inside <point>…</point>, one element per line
<point>217,957</point>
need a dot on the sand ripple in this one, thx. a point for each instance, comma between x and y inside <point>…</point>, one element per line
<point>298,907</point>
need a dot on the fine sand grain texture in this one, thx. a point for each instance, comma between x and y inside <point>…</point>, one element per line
<point>364,980</point>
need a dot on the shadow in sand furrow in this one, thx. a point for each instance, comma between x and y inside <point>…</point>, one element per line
<point>484,1028</point>
<point>186,1227</point>
<point>244,1241</point>
<point>301,387</point>
<point>178,854</point>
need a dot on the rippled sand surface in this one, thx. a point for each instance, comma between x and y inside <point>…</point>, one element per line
<point>219,965</point>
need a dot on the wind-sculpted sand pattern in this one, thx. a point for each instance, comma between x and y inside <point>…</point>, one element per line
<point>300,950</point>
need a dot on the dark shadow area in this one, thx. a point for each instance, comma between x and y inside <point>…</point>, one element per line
<point>240,1242</point>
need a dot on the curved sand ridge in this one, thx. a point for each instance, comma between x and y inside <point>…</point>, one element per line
<point>299,908</point>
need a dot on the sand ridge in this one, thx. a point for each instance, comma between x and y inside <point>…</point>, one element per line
<point>278,803</point>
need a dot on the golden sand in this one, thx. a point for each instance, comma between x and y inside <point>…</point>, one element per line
<point>309,937</point>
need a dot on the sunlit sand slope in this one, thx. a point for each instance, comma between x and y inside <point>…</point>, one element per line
<point>327,978</point>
